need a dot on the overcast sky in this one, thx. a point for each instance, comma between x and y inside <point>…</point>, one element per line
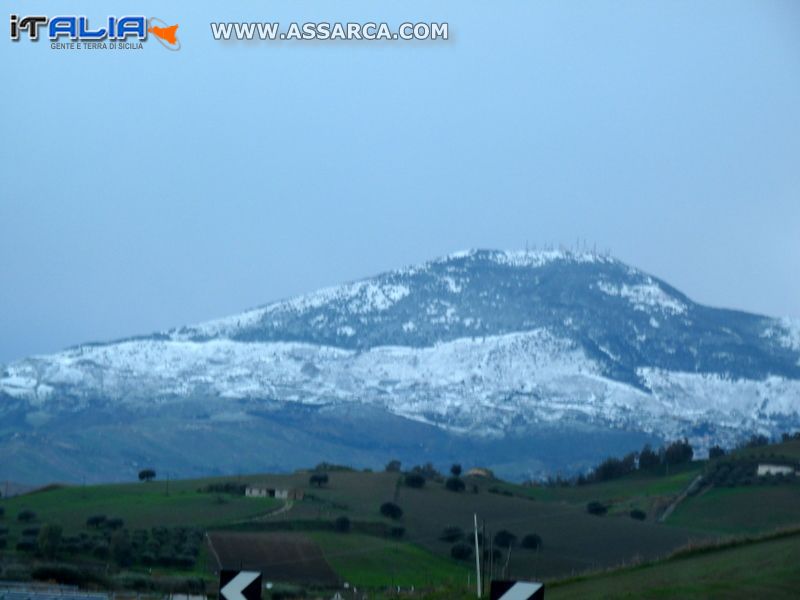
<point>144,190</point>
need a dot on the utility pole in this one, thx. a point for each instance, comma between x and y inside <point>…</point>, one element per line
<point>483,557</point>
<point>477,558</point>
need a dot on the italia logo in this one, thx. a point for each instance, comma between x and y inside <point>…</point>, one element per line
<point>114,30</point>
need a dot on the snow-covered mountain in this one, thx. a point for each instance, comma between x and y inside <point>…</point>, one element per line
<point>485,355</point>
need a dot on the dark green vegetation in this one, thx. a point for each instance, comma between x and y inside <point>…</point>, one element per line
<point>756,569</point>
<point>415,528</point>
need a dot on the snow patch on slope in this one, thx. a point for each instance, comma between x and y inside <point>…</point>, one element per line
<point>645,297</point>
<point>786,331</point>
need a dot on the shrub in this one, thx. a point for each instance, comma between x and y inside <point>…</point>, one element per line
<point>121,549</point>
<point>756,441</point>
<point>495,554</point>
<point>427,470</point>
<point>31,531</point>
<point>26,545</point>
<point>342,524</point>
<point>461,551</point>
<point>3,543</point>
<point>2,512</point>
<point>596,508</point>
<point>26,515</point>
<point>678,452</point>
<point>716,452</point>
<point>62,574</point>
<point>639,515</point>
<point>226,487</point>
<point>397,531</point>
<point>452,534</point>
<point>50,539</point>
<point>391,510</point>
<point>532,541</point>
<point>147,475</point>
<point>414,480</point>
<point>455,484</point>
<point>393,466</point>
<point>101,550</point>
<point>95,521</point>
<point>115,523</point>
<point>648,458</point>
<point>504,539</point>
<point>318,479</point>
<point>455,470</point>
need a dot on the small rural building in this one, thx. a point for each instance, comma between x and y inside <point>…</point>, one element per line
<point>480,472</point>
<point>770,469</point>
<point>263,491</point>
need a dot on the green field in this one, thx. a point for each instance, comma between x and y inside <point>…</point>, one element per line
<point>574,542</point>
<point>763,569</point>
<point>140,505</point>
<point>648,491</point>
<point>366,561</point>
<point>741,509</point>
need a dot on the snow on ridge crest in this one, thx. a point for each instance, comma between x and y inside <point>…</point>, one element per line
<point>529,258</point>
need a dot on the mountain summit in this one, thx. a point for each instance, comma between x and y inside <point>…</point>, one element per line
<point>506,358</point>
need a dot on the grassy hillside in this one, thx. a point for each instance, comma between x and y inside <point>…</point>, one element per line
<point>140,505</point>
<point>761,569</point>
<point>366,561</point>
<point>573,539</point>
<point>744,504</point>
<point>166,523</point>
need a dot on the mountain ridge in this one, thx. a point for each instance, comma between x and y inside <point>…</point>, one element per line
<point>482,344</point>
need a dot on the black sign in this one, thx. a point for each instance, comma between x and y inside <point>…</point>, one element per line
<point>517,590</point>
<point>239,585</point>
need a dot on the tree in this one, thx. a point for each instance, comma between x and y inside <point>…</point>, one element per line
<point>504,539</point>
<point>26,515</point>
<point>397,532</point>
<point>96,521</point>
<point>596,508</point>
<point>391,510</point>
<point>452,534</point>
<point>49,539</point>
<point>648,458</point>
<point>455,470</point>
<point>342,524</point>
<point>613,468</point>
<point>414,480</point>
<point>393,466</point>
<point>455,484</point>
<point>147,475</point>
<point>757,440</point>
<point>318,479</point>
<point>716,452</point>
<point>428,471</point>
<point>678,452</point>
<point>639,515</point>
<point>532,541</point>
<point>461,551</point>
<point>121,549</point>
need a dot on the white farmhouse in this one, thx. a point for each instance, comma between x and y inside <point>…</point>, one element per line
<point>770,469</point>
